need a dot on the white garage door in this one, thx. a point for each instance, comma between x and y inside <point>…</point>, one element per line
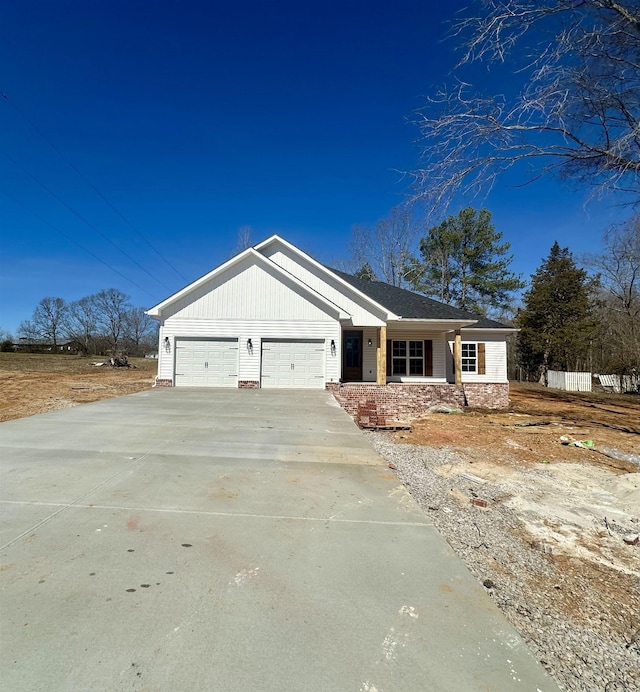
<point>206,363</point>
<point>287,363</point>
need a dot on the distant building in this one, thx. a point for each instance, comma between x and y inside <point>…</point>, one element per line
<point>26,345</point>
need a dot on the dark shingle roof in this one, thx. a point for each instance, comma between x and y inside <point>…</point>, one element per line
<point>412,305</point>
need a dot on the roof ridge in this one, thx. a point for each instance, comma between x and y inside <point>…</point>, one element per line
<point>446,311</point>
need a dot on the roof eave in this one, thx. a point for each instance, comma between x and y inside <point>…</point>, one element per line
<point>275,237</point>
<point>342,314</point>
<point>156,311</point>
<point>449,324</point>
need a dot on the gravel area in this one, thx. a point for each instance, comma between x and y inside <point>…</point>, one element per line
<point>579,617</point>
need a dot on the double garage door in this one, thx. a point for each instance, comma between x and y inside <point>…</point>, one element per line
<point>206,363</point>
<point>285,363</point>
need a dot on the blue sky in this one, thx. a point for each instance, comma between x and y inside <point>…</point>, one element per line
<point>198,118</point>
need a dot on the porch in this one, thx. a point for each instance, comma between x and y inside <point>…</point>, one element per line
<point>404,354</point>
<point>397,372</point>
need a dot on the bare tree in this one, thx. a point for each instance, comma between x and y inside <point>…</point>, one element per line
<point>49,319</point>
<point>138,326</point>
<point>386,249</point>
<point>618,266</point>
<point>577,113</point>
<point>244,239</point>
<point>83,321</point>
<point>28,331</point>
<point>112,306</point>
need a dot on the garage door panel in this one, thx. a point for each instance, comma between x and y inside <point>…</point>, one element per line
<point>206,363</point>
<point>289,363</point>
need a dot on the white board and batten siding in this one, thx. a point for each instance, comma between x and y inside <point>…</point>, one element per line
<point>248,291</point>
<point>249,357</point>
<point>359,308</point>
<point>369,354</point>
<point>495,357</point>
<point>264,305</point>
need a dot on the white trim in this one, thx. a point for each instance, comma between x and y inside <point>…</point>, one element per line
<point>476,358</point>
<point>156,309</point>
<point>441,324</point>
<point>276,238</point>
<point>408,357</point>
<point>249,252</point>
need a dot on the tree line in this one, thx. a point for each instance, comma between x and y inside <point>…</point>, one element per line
<point>101,323</point>
<point>570,108</point>
<point>571,318</point>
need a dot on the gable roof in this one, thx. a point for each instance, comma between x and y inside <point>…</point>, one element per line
<point>257,257</point>
<point>336,276</point>
<point>398,303</point>
<point>410,305</point>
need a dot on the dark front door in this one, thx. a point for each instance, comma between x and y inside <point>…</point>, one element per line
<point>352,356</point>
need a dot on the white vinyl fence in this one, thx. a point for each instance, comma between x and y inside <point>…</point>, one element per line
<point>569,381</point>
<point>629,383</point>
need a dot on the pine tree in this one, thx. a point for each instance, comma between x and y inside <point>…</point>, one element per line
<point>366,273</point>
<point>465,264</point>
<point>557,321</point>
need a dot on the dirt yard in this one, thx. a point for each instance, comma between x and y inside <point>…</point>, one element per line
<point>536,420</point>
<point>33,383</point>
<point>568,504</point>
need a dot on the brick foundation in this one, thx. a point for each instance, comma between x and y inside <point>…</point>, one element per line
<point>248,384</point>
<point>372,404</point>
<point>163,383</point>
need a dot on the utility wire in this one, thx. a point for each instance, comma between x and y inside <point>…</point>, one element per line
<point>76,243</point>
<point>90,184</point>
<point>78,215</point>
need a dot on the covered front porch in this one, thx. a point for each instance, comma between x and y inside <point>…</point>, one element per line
<point>411,352</point>
<point>397,372</point>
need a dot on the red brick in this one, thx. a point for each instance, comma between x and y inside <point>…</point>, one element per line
<point>405,401</point>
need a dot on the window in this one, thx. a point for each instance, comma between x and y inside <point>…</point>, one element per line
<point>469,358</point>
<point>408,358</point>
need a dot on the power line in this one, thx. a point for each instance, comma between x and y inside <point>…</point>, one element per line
<point>76,243</point>
<point>91,185</point>
<point>78,215</point>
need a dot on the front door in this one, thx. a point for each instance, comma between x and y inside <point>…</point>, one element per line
<point>352,356</point>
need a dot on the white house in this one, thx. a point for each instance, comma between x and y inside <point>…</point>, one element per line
<point>272,316</point>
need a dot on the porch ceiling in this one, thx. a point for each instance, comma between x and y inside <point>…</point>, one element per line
<point>429,325</point>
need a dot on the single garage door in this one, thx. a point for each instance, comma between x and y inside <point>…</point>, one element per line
<point>206,363</point>
<point>289,363</point>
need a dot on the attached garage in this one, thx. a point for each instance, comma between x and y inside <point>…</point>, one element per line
<point>274,317</point>
<point>288,363</point>
<point>206,363</point>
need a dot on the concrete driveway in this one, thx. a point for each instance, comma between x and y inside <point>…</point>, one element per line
<point>230,540</point>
